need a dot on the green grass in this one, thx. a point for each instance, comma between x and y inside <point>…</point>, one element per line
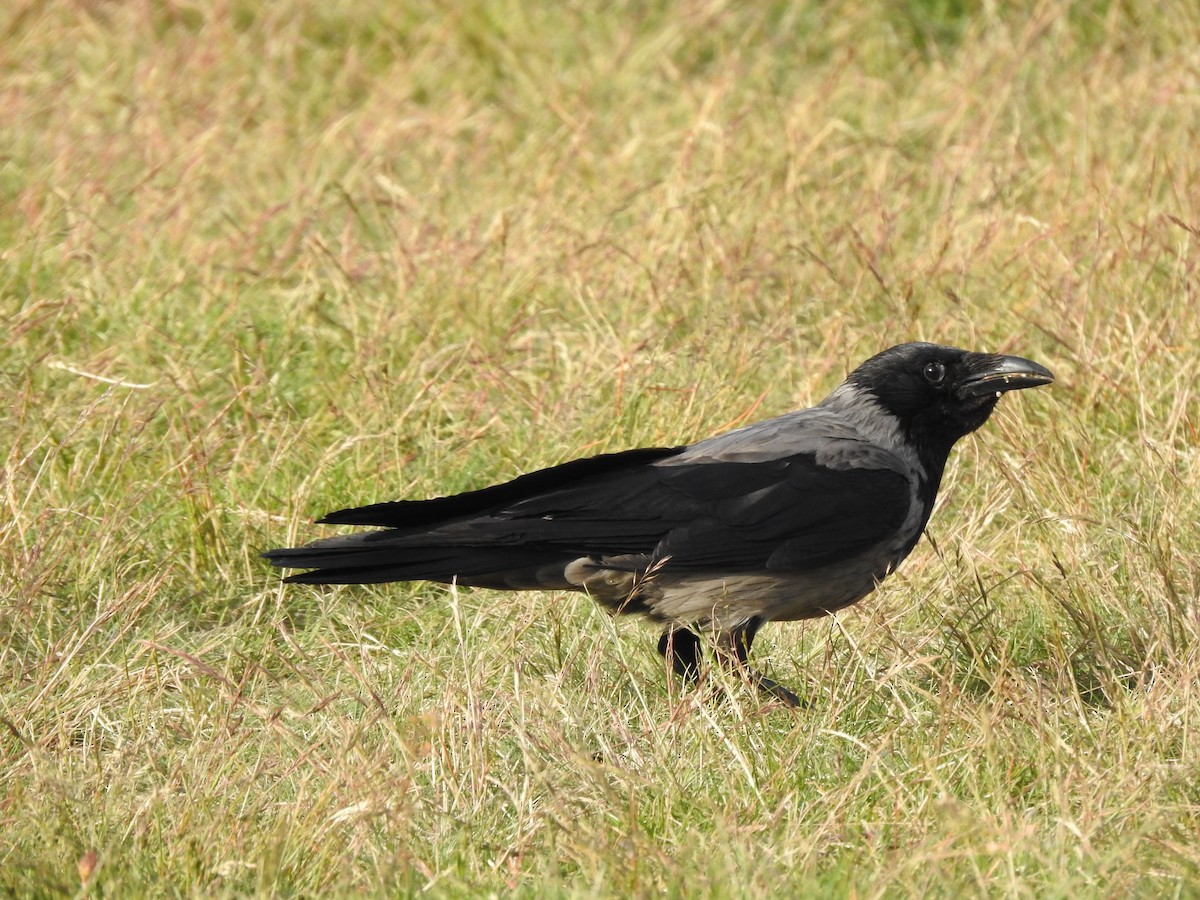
<point>258,262</point>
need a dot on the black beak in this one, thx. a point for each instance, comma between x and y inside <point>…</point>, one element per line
<point>997,374</point>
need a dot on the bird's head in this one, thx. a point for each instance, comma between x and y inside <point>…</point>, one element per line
<point>939,394</point>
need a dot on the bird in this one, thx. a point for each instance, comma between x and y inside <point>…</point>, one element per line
<point>789,518</point>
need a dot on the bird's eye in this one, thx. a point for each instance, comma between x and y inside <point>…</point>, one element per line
<point>935,372</point>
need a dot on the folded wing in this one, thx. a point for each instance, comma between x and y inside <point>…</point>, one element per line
<point>625,511</point>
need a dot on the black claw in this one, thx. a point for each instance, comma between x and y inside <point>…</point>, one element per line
<point>775,689</point>
<point>682,647</point>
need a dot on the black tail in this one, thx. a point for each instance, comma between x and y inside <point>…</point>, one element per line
<point>474,566</point>
<point>472,538</point>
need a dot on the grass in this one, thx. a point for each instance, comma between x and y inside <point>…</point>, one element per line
<point>260,262</point>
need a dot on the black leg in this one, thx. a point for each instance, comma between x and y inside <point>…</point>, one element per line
<point>739,641</point>
<point>682,648</point>
<point>742,638</point>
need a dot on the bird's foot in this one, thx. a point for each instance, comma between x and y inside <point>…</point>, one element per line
<point>683,649</point>
<point>774,689</point>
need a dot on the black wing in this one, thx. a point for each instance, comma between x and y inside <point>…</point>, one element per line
<point>426,514</point>
<point>782,514</point>
<point>787,514</point>
<point>809,516</point>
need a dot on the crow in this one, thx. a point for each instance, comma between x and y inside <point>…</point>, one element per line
<point>789,518</point>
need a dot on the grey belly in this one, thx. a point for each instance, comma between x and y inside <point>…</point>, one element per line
<point>727,600</point>
<point>731,599</point>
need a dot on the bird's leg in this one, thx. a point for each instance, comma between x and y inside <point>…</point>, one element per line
<point>734,650</point>
<point>682,648</point>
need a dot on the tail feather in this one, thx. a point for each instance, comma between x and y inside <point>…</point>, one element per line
<point>351,559</point>
<point>518,535</point>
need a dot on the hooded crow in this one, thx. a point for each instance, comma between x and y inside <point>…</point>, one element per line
<point>790,518</point>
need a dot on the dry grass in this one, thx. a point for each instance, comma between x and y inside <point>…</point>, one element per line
<point>257,263</point>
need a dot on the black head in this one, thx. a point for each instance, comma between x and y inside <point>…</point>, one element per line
<point>940,394</point>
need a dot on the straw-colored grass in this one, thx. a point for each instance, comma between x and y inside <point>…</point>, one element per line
<point>260,261</point>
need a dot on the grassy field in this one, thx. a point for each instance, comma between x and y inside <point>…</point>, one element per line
<point>260,261</point>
